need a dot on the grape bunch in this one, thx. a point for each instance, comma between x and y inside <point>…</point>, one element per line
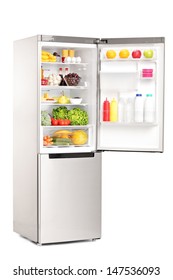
<point>72,79</point>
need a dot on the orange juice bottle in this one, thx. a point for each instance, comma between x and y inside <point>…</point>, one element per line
<point>114,110</point>
<point>42,73</point>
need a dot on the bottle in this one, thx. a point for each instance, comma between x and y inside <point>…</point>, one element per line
<point>139,108</point>
<point>64,55</point>
<point>113,110</point>
<point>71,53</point>
<point>62,83</point>
<point>121,110</point>
<point>149,109</point>
<point>66,71</point>
<point>42,73</point>
<point>106,111</point>
<point>129,111</point>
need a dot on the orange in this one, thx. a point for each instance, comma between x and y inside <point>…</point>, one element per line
<point>110,54</point>
<point>124,53</point>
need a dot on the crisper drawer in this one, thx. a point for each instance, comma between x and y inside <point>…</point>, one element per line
<point>69,197</point>
<point>72,139</point>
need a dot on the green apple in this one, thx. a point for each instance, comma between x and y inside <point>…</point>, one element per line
<point>148,53</point>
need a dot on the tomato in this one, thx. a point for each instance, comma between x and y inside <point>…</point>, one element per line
<point>54,121</point>
<point>67,122</point>
<point>63,122</point>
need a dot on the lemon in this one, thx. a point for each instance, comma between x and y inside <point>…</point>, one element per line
<point>110,54</point>
<point>124,53</point>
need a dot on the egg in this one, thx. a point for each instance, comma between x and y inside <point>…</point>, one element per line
<point>68,59</point>
<point>73,59</point>
<point>78,59</point>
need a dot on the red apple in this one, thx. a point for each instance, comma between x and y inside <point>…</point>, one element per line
<point>136,54</point>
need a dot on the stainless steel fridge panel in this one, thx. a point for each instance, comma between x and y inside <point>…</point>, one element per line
<point>69,198</point>
<point>25,129</point>
<point>66,39</point>
<point>139,40</point>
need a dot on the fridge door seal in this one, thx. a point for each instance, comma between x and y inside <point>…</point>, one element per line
<point>131,42</point>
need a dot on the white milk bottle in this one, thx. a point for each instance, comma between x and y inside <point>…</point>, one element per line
<point>149,109</point>
<point>129,112</point>
<point>139,108</point>
<point>121,106</point>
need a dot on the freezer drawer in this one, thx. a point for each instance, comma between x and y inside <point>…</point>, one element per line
<point>69,198</point>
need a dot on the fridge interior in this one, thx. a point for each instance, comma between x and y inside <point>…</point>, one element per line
<point>122,78</point>
<point>80,134</point>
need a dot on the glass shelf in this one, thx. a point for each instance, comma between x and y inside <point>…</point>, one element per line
<point>63,87</point>
<point>64,63</point>
<point>58,104</point>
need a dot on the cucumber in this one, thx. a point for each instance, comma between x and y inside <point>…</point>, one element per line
<point>61,141</point>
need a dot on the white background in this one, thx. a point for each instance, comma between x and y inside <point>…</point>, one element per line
<point>137,227</point>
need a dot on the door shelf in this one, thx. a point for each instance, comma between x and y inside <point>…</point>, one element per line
<point>118,72</point>
<point>130,124</point>
<point>128,59</point>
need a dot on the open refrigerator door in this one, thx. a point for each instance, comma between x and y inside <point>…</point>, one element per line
<point>131,94</point>
<point>67,96</point>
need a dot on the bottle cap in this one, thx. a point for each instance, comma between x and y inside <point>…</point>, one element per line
<point>60,69</point>
<point>138,94</point>
<point>149,95</point>
<point>66,69</point>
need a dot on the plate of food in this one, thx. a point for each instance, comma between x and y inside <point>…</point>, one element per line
<point>49,100</point>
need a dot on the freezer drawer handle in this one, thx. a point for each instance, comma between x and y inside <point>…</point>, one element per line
<point>71,155</point>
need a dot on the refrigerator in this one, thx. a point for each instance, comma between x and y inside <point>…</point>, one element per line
<point>58,165</point>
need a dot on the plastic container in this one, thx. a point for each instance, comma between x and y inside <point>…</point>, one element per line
<point>149,109</point>
<point>75,100</point>
<point>44,82</point>
<point>106,111</point>
<point>113,110</point>
<point>139,108</point>
<point>129,111</point>
<point>147,73</point>
<point>71,53</point>
<point>121,108</point>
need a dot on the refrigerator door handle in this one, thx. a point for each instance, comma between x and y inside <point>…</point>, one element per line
<point>71,155</point>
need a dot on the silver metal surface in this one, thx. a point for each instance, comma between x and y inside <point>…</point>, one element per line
<point>66,39</point>
<point>139,40</point>
<point>25,138</point>
<point>69,199</point>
